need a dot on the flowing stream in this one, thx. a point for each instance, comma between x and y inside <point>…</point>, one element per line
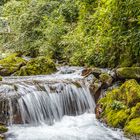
<point>53,107</point>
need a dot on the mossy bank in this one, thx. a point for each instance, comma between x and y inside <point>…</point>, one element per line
<point>120,108</point>
<point>18,66</point>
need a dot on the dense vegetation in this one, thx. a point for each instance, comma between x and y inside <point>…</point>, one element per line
<point>102,33</point>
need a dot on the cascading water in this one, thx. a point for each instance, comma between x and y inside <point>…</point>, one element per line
<point>55,107</point>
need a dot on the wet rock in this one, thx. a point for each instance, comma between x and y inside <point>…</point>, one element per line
<point>98,111</point>
<point>96,72</point>
<point>95,86</point>
<point>106,79</point>
<point>95,89</point>
<point>86,72</point>
<point>128,73</point>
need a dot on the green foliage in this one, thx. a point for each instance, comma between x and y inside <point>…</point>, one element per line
<point>102,33</point>
<point>2,2</point>
<point>117,105</point>
<point>108,31</point>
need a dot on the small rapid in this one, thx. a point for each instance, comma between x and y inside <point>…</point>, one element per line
<point>52,107</point>
<point>82,127</point>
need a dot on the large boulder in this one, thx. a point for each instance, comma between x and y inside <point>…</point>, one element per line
<point>121,107</point>
<point>128,73</point>
<point>11,64</point>
<point>37,66</point>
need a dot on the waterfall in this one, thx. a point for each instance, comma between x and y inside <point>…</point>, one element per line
<point>53,107</point>
<point>44,99</point>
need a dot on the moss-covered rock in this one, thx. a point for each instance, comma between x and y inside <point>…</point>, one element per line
<point>121,107</point>
<point>135,112</point>
<point>11,64</point>
<point>37,66</point>
<point>106,79</point>
<point>0,78</point>
<point>130,93</point>
<point>128,72</point>
<point>96,71</point>
<point>133,127</point>
<point>3,129</point>
<point>117,118</point>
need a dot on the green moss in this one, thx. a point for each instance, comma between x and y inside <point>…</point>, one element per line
<point>133,127</point>
<point>11,64</point>
<point>0,78</point>
<point>117,118</point>
<point>3,129</point>
<point>114,112</point>
<point>130,93</point>
<point>109,99</point>
<point>128,72</point>
<point>135,112</point>
<point>37,66</point>
<point>121,106</point>
<point>105,78</point>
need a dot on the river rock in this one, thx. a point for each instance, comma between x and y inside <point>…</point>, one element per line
<point>106,79</point>
<point>128,73</point>
<point>86,72</point>
<point>95,89</point>
<point>96,71</point>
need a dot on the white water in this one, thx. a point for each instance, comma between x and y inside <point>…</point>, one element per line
<point>83,127</point>
<point>53,107</point>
